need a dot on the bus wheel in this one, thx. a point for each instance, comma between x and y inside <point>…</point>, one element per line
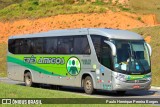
<point>121,92</point>
<point>28,79</point>
<point>88,85</point>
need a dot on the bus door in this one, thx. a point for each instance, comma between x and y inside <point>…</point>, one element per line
<point>104,56</point>
<point>105,67</point>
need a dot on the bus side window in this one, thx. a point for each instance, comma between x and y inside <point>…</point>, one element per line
<point>11,45</point>
<point>17,46</point>
<point>25,46</point>
<point>65,45</point>
<point>81,45</point>
<point>103,50</point>
<point>51,45</point>
<point>20,46</point>
<point>38,46</point>
<point>97,45</point>
<point>106,57</point>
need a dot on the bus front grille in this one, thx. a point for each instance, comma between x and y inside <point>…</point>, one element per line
<point>137,81</point>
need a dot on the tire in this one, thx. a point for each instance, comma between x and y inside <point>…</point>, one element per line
<point>121,92</point>
<point>88,85</point>
<point>28,80</point>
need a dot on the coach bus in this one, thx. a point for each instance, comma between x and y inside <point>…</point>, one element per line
<point>92,58</point>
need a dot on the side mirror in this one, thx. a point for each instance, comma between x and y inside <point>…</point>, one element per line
<point>113,47</point>
<point>149,48</point>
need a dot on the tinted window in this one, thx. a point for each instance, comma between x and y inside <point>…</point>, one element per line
<point>97,45</point>
<point>65,45</point>
<point>11,45</point>
<point>81,45</point>
<point>19,46</point>
<point>103,50</point>
<point>50,45</point>
<point>38,45</point>
<point>106,57</point>
<point>26,46</point>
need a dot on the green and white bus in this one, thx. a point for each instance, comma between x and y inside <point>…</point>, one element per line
<point>92,58</point>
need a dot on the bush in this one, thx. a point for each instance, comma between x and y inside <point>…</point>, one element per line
<point>69,1</point>
<point>30,8</point>
<point>35,3</point>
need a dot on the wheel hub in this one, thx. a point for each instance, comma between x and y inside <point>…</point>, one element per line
<point>28,80</point>
<point>88,85</point>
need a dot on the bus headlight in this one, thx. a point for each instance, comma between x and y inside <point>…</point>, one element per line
<point>149,79</point>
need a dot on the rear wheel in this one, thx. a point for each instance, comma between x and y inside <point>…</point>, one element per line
<point>88,85</point>
<point>28,80</point>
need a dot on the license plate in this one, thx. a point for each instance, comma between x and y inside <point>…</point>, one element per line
<point>136,86</point>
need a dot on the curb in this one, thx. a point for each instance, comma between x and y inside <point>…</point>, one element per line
<point>153,87</point>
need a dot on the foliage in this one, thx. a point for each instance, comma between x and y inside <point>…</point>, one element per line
<point>146,7</point>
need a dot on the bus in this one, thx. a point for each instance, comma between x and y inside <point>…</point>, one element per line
<point>91,58</point>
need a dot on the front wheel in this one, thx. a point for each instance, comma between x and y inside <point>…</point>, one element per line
<point>88,85</point>
<point>28,80</point>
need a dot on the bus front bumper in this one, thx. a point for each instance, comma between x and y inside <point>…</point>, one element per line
<point>134,85</point>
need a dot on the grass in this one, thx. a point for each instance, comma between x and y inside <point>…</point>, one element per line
<point>32,9</point>
<point>146,7</point>
<point>5,3</point>
<point>3,52</point>
<point>15,91</point>
<point>154,32</point>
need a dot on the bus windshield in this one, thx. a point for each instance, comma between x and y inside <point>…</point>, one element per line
<point>132,57</point>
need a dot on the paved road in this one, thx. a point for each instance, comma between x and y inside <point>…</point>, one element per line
<point>152,93</point>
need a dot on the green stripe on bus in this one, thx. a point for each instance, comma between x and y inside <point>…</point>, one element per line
<point>32,67</point>
<point>137,77</point>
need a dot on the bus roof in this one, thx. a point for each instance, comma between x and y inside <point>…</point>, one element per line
<point>116,34</point>
<point>110,33</point>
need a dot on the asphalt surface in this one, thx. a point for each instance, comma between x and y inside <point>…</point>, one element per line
<point>154,92</point>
